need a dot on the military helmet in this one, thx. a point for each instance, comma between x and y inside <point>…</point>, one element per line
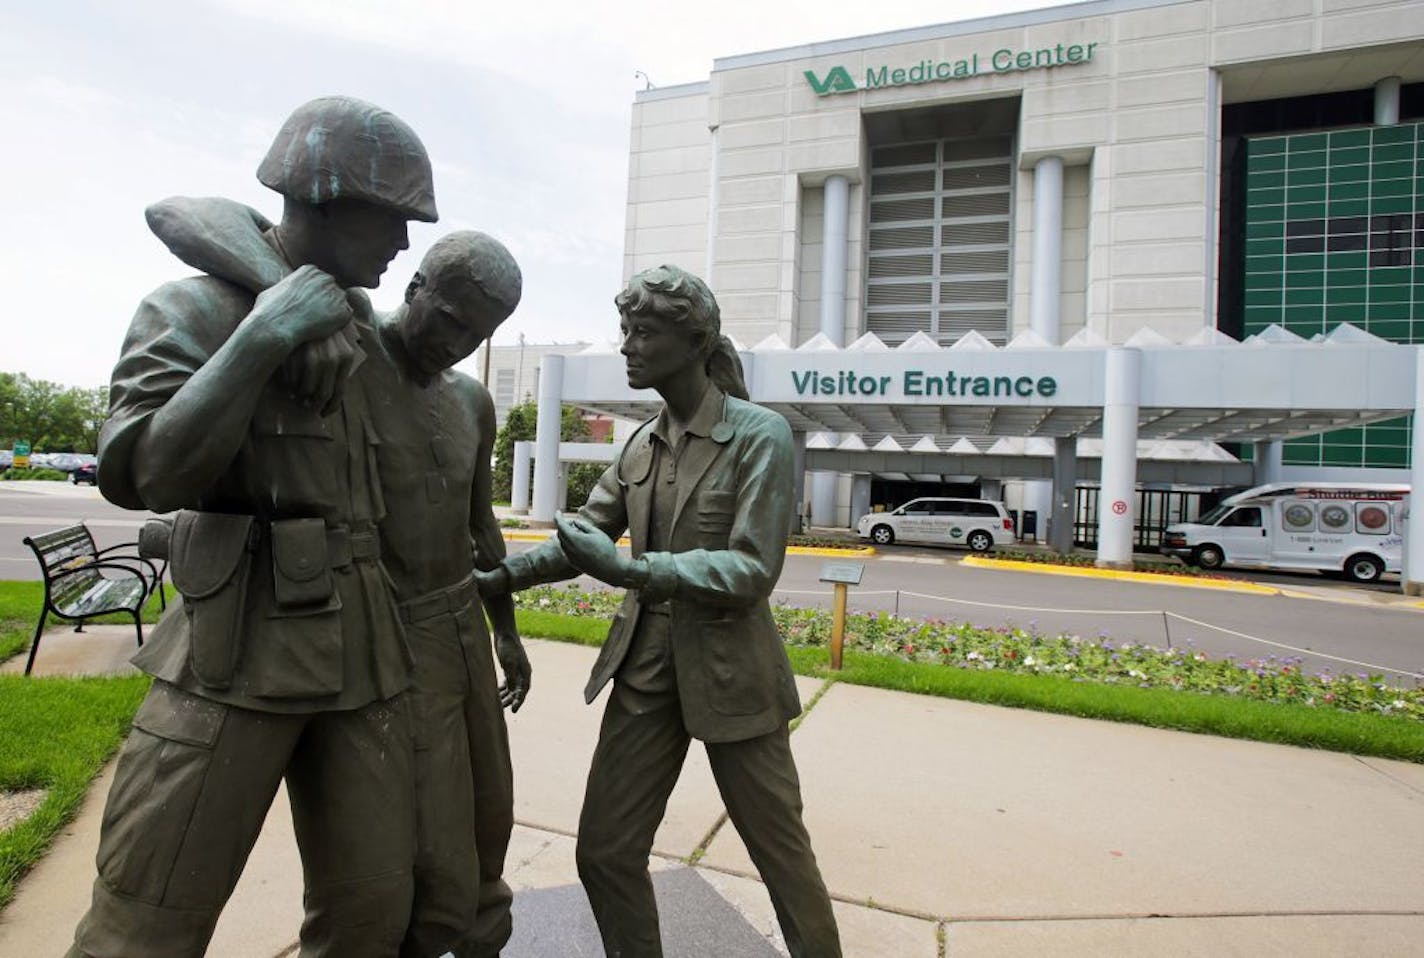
<point>338,147</point>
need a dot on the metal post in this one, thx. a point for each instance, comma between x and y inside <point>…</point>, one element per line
<point>835,239</point>
<point>838,617</point>
<point>1387,101</point>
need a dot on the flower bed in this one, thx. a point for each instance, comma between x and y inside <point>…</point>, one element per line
<point>965,646</point>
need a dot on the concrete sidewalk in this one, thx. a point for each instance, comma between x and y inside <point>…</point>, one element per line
<point>943,828</point>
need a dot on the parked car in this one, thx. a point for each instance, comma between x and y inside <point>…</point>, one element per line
<point>979,524</point>
<point>1354,528</point>
<point>64,461</point>
<point>86,473</point>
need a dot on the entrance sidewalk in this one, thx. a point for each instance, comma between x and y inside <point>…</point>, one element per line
<point>943,828</point>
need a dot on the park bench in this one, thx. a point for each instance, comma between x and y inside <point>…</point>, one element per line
<point>82,581</point>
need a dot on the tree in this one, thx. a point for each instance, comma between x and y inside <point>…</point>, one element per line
<point>51,417</point>
<point>520,425</point>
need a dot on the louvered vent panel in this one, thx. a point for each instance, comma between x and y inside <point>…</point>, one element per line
<point>901,266</point>
<point>939,233</point>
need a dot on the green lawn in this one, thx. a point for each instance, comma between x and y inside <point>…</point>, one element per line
<point>1360,733</point>
<point>55,733</point>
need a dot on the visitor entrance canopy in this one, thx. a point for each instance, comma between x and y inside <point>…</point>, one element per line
<point>919,401</point>
<point>1275,385</point>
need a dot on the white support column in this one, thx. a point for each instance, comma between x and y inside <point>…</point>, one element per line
<point>1266,467</point>
<point>1387,102</point>
<point>1065,494</point>
<point>1046,271</point>
<point>519,484</point>
<point>835,238</point>
<point>1123,384</point>
<point>860,495</point>
<point>1413,577</point>
<point>546,439</point>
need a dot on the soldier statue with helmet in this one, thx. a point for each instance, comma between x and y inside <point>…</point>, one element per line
<point>286,660</point>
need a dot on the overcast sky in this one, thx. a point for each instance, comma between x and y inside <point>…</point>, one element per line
<point>524,107</point>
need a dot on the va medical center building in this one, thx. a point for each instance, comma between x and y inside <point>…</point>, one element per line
<point>978,240</point>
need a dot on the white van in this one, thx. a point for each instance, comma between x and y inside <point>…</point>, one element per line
<point>979,524</point>
<point>1354,528</point>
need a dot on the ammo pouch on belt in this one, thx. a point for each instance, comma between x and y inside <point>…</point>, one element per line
<point>301,570</point>
<point>210,559</point>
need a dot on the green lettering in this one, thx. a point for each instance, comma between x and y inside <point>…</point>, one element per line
<point>1002,60</point>
<point>1024,60</point>
<point>1003,386</point>
<point>935,386</point>
<point>914,382</point>
<point>884,385</point>
<point>1047,386</point>
<point>1075,53</point>
<point>1091,48</point>
<point>1023,386</point>
<point>897,76</point>
<point>873,79</point>
<point>981,385</point>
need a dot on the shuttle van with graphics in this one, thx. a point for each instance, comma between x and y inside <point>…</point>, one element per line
<point>979,524</point>
<point>1354,528</point>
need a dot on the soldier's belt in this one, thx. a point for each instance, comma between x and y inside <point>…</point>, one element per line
<point>449,599</point>
<point>345,546</point>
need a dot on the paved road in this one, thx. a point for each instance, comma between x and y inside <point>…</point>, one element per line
<point>30,508</point>
<point>1372,627</point>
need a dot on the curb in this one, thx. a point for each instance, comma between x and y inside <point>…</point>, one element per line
<point>518,535</point>
<point>1225,585</point>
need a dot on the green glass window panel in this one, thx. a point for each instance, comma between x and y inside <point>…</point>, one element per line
<point>1347,295</point>
<point>1259,317</point>
<point>1306,320</point>
<point>1349,191</point>
<point>1339,207</point>
<point>1393,432</point>
<point>1266,279</point>
<point>1307,210</point>
<point>1339,138</point>
<point>1395,170</point>
<point>1264,297</point>
<point>1308,177</point>
<point>1303,142</point>
<point>1388,153</point>
<point>1274,195</point>
<point>1266,264</point>
<point>1265,145</point>
<point>1387,188</point>
<point>1345,277</point>
<point>1305,297</point>
<point>1394,330</point>
<point>1391,204</point>
<point>1332,454</point>
<point>1401,276</point>
<point>1403,133</point>
<point>1355,435</point>
<point>1390,294</point>
<point>1264,230</point>
<point>1337,313</point>
<point>1396,313</point>
<point>1267,163</point>
<point>1385,456</point>
<point>1348,259</point>
<point>1267,211</point>
<point>1305,278</point>
<point>1301,452</point>
<point>1350,173</point>
<point>1261,179</point>
<point>1265,247</point>
<point>1305,261</point>
<point>1308,193</point>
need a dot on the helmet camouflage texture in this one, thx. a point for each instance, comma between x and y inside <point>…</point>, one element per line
<point>339,147</point>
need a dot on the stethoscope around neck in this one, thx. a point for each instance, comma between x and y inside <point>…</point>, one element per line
<point>642,456</point>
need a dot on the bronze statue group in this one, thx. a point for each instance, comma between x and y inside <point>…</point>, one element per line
<point>335,544</point>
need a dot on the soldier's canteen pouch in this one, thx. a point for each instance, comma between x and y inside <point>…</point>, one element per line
<point>301,573</point>
<point>211,558</point>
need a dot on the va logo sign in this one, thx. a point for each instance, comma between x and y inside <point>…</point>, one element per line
<point>837,81</point>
